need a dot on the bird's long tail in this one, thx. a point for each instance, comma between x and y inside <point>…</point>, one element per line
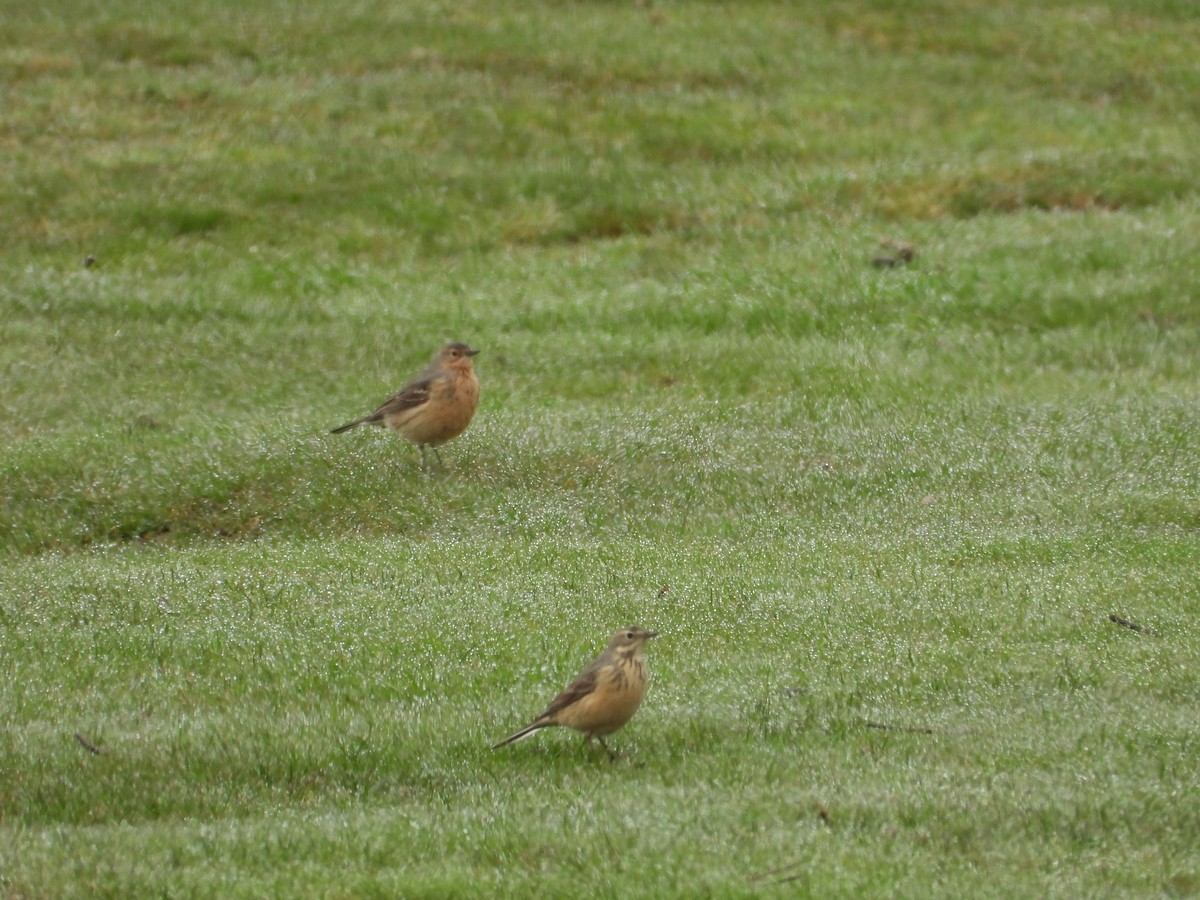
<point>524,732</point>
<point>349,425</point>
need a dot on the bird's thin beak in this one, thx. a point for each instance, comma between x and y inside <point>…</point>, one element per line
<point>472,352</point>
<point>651,634</point>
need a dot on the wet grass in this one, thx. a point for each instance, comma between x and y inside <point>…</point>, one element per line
<point>882,513</point>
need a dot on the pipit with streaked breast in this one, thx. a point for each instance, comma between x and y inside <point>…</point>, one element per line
<point>604,696</point>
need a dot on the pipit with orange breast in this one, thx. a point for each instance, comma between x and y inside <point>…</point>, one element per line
<point>435,406</point>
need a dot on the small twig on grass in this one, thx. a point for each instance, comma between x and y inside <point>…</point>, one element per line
<point>1132,626</point>
<point>759,876</point>
<point>909,728</point>
<point>823,815</point>
<point>88,745</point>
<point>789,878</point>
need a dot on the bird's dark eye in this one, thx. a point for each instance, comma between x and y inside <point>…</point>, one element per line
<point>629,634</point>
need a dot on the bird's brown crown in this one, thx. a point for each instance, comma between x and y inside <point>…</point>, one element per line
<point>456,355</point>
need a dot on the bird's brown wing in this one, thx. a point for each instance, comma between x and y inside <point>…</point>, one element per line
<point>583,685</point>
<point>413,394</point>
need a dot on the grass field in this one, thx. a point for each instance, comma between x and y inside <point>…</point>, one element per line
<point>881,514</point>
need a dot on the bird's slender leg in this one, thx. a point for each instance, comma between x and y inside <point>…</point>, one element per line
<point>612,757</point>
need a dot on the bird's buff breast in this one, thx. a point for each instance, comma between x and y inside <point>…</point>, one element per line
<point>446,414</point>
<point>613,702</point>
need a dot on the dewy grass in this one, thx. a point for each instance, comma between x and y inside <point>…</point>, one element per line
<point>894,521</point>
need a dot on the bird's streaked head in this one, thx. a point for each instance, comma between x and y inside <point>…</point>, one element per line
<point>630,639</point>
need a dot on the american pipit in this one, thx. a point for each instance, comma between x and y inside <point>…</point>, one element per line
<point>604,696</point>
<point>435,406</point>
